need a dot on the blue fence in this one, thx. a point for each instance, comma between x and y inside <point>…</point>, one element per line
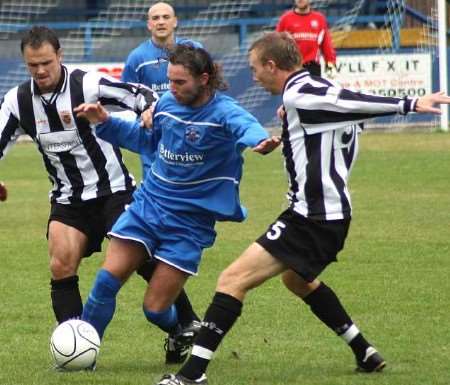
<point>265,111</point>
<point>241,24</point>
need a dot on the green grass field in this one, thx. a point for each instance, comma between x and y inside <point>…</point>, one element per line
<point>392,277</point>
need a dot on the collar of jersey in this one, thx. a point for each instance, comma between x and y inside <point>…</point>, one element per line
<point>300,74</point>
<point>60,87</point>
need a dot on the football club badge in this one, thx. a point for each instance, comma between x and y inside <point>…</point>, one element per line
<point>192,133</point>
<point>66,117</point>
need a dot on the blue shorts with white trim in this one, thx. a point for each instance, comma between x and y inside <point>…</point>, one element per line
<point>175,238</point>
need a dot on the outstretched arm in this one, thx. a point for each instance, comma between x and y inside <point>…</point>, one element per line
<point>95,113</point>
<point>247,131</point>
<point>119,132</point>
<point>425,104</point>
<point>119,96</point>
<point>267,145</point>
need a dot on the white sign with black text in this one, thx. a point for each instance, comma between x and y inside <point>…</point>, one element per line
<point>395,75</point>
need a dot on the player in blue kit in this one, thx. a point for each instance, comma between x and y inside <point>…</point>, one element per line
<point>198,136</point>
<point>147,63</point>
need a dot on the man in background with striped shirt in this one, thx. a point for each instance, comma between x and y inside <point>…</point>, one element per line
<point>320,143</point>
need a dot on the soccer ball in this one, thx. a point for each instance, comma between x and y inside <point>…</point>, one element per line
<point>74,345</point>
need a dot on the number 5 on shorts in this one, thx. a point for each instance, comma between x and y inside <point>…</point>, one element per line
<point>275,231</point>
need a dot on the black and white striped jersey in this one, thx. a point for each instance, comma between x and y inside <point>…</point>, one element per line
<point>320,141</point>
<point>80,165</point>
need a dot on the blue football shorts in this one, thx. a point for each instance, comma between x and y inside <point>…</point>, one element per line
<point>175,238</point>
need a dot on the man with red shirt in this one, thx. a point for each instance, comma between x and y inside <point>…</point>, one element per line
<point>310,30</point>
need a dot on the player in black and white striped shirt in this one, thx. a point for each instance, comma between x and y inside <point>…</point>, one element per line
<point>320,143</point>
<point>91,184</point>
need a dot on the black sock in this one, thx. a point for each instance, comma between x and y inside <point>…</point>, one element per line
<point>66,298</point>
<point>326,306</point>
<point>186,313</point>
<point>220,316</point>
<point>146,269</point>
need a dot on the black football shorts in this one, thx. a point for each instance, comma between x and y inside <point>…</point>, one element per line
<point>94,217</point>
<point>304,245</point>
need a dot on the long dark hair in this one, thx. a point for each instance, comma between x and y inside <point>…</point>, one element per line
<point>198,61</point>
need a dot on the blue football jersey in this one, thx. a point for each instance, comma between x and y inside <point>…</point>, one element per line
<point>198,154</point>
<point>147,64</point>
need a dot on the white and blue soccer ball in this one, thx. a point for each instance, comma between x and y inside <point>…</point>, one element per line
<point>74,345</point>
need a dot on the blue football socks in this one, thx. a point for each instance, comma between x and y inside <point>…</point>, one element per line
<point>166,320</point>
<point>101,304</point>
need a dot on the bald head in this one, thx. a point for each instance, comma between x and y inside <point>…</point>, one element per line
<point>162,23</point>
<point>161,6</point>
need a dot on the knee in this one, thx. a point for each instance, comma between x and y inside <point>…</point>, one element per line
<point>232,283</point>
<point>224,281</point>
<point>62,266</point>
<point>298,285</point>
<point>157,303</point>
<point>165,319</point>
<point>123,258</point>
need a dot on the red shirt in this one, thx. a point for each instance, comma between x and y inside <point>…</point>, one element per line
<point>311,33</point>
